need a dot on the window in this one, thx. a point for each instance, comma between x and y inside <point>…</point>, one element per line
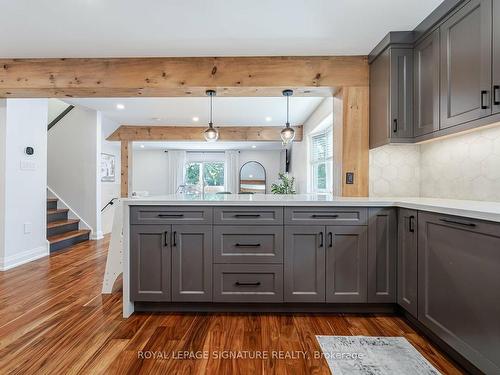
<point>321,161</point>
<point>204,174</point>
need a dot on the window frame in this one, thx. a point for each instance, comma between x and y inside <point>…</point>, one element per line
<point>201,160</point>
<point>327,132</point>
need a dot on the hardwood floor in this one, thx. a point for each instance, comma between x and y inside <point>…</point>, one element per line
<point>54,320</point>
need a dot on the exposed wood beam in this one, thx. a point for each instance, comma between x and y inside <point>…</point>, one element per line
<point>126,168</point>
<point>353,139</point>
<point>146,77</point>
<point>132,133</point>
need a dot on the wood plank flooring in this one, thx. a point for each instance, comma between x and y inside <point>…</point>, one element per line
<point>53,320</point>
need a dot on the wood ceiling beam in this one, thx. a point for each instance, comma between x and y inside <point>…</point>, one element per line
<point>149,77</point>
<point>131,133</point>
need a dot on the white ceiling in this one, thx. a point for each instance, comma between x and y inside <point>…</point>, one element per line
<point>238,111</point>
<point>205,146</point>
<point>121,28</point>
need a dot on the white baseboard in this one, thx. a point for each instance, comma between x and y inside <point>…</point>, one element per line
<point>24,257</point>
<point>96,236</point>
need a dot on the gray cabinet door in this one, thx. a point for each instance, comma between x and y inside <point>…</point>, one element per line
<point>150,258</point>
<point>426,82</point>
<point>382,255</point>
<point>346,264</point>
<point>191,263</point>
<point>466,64</point>
<point>401,93</point>
<point>379,100</point>
<point>459,284</point>
<point>496,56</point>
<point>407,260</point>
<point>304,279</point>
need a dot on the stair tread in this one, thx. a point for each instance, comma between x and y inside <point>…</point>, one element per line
<point>66,236</point>
<point>57,211</point>
<point>52,199</point>
<point>61,223</point>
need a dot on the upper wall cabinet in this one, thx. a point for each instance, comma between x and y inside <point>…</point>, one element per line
<point>391,97</point>
<point>466,46</point>
<point>426,82</point>
<point>496,56</point>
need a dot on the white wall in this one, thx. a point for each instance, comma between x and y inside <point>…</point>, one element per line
<point>300,158</point>
<point>23,205</point>
<point>74,148</point>
<point>109,190</point>
<point>270,160</point>
<point>465,166</point>
<point>150,171</point>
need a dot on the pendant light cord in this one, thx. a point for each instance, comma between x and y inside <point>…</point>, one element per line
<point>288,111</point>
<point>211,110</point>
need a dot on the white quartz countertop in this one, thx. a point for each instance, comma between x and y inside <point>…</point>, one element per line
<point>474,209</point>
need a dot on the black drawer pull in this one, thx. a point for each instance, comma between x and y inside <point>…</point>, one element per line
<point>237,283</point>
<point>321,240</point>
<point>165,242</point>
<point>247,245</point>
<point>174,240</point>
<point>170,215</point>
<point>465,224</point>
<point>395,125</point>
<point>496,95</point>
<point>330,235</point>
<point>318,216</point>
<point>411,224</point>
<point>484,104</point>
<point>247,215</point>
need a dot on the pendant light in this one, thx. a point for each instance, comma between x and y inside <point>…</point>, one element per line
<point>211,134</point>
<point>287,133</point>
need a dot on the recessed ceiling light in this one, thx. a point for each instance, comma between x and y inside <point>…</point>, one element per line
<point>156,119</point>
<point>142,146</point>
<point>253,146</point>
<point>268,118</point>
<point>120,106</point>
<point>196,119</point>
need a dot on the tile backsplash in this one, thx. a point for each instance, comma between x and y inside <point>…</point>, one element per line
<point>465,166</point>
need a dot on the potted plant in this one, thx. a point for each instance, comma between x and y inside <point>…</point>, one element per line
<point>285,186</point>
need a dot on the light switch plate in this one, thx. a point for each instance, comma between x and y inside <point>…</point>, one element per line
<point>27,228</point>
<point>28,165</point>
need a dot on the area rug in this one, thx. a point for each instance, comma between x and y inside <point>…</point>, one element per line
<point>367,355</point>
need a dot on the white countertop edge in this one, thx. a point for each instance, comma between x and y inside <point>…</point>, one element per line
<point>481,210</point>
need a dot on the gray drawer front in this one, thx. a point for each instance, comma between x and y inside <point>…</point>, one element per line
<point>170,215</point>
<point>248,215</point>
<point>243,244</point>
<point>248,283</point>
<point>326,215</point>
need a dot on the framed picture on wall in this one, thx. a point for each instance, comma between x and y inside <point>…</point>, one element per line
<point>108,168</point>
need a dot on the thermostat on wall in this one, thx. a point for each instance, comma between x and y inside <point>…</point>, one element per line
<point>29,150</point>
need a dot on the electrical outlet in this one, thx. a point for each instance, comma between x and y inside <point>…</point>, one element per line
<point>27,228</point>
<point>349,178</point>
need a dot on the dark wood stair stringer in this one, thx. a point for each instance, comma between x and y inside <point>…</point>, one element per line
<point>61,231</point>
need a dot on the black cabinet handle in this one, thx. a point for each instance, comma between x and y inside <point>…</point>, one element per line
<point>247,215</point>
<point>170,215</point>
<point>165,242</point>
<point>496,95</point>
<point>174,238</point>
<point>317,216</point>
<point>330,235</point>
<point>463,223</point>
<point>395,125</point>
<point>238,283</point>
<point>321,240</point>
<point>247,245</point>
<point>411,225</point>
<point>484,103</point>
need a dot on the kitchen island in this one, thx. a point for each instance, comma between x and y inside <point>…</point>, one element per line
<point>437,261</point>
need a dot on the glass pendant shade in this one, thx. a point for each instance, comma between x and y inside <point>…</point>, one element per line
<point>287,134</point>
<point>211,134</point>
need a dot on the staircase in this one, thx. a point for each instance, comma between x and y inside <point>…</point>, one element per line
<point>61,231</point>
